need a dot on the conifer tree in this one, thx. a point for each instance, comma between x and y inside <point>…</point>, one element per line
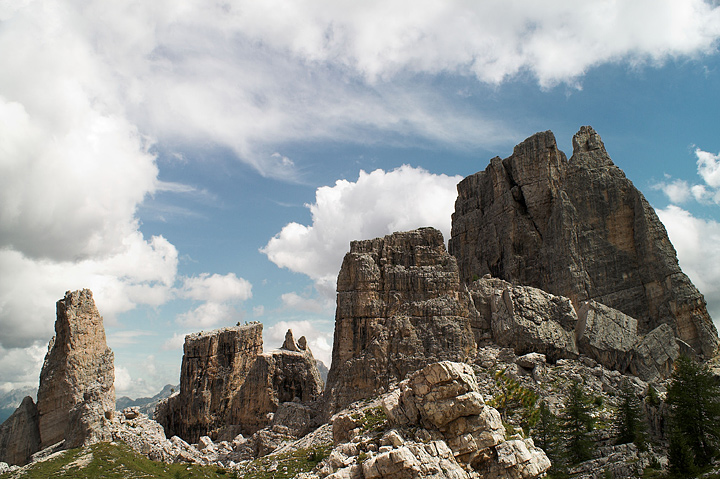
<point>630,419</point>
<point>694,401</point>
<point>577,425</point>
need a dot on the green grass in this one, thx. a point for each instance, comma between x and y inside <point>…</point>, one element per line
<point>114,461</point>
<point>285,466</point>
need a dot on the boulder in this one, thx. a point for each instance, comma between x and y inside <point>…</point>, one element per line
<point>576,228</point>
<point>607,335</point>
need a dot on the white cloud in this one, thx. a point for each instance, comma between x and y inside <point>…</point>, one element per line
<point>377,204</point>
<point>216,288</point>
<point>320,342</point>
<point>677,191</point>
<point>21,367</point>
<point>258,311</point>
<point>709,167</point>
<point>174,343</point>
<point>295,302</point>
<point>209,315</point>
<point>697,242</point>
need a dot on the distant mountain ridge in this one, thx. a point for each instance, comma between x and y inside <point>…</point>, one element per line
<point>10,400</point>
<point>146,405</point>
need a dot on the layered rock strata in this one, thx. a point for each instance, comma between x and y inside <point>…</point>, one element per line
<point>576,228</point>
<point>78,361</point>
<point>229,386</point>
<point>400,306</point>
<point>214,367</point>
<point>19,434</point>
<point>285,375</point>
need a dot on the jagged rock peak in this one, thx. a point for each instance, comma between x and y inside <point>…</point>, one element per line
<point>19,434</point>
<point>576,228</point>
<point>291,345</point>
<point>400,306</point>
<point>76,396</point>
<point>229,386</point>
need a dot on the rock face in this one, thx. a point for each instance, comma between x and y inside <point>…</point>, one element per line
<point>228,385</point>
<point>19,434</point>
<point>281,376</point>
<point>578,229</point>
<point>529,320</point>
<point>77,377</point>
<point>400,306</point>
<point>214,367</point>
<point>442,428</point>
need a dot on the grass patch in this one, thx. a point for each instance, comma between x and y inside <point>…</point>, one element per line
<point>109,461</point>
<point>285,466</point>
<point>372,419</point>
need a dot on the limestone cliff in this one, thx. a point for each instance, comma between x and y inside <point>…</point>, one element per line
<point>576,228</point>
<point>400,306</point>
<point>229,386</point>
<point>214,367</point>
<point>78,361</point>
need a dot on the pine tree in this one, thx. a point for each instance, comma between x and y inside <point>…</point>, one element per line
<point>630,419</point>
<point>546,434</point>
<point>577,425</point>
<point>694,401</point>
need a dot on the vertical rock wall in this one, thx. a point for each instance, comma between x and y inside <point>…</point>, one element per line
<point>578,229</point>
<point>78,361</point>
<point>214,367</point>
<point>400,306</point>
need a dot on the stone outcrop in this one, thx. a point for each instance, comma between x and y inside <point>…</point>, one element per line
<point>78,361</point>
<point>439,426</point>
<point>19,434</point>
<point>576,228</point>
<point>529,320</point>
<point>214,367</point>
<point>400,306</point>
<point>284,375</point>
<point>229,386</point>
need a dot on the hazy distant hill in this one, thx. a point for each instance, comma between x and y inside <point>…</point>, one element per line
<point>12,399</point>
<point>146,405</point>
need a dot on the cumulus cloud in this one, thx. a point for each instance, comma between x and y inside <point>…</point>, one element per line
<point>216,288</point>
<point>320,342</point>
<point>680,191</point>
<point>697,242</point>
<point>378,203</point>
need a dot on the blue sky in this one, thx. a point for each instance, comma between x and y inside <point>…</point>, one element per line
<point>197,164</point>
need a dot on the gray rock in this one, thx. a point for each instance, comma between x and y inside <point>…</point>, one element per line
<point>20,435</point>
<point>606,335</point>
<point>78,361</point>
<point>400,306</point>
<point>576,228</point>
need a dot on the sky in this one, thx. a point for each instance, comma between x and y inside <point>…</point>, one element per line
<point>199,164</point>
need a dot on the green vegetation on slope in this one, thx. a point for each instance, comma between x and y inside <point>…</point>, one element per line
<point>108,461</point>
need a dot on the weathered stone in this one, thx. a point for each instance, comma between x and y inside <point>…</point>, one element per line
<point>530,320</point>
<point>214,367</point>
<point>578,229</point>
<point>400,306</point>
<point>89,420</point>
<point>228,385</point>
<point>606,335</point>
<point>277,377</point>
<point>297,417</point>
<point>78,361</point>
<point>655,353</point>
<point>531,360</point>
<point>20,435</point>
